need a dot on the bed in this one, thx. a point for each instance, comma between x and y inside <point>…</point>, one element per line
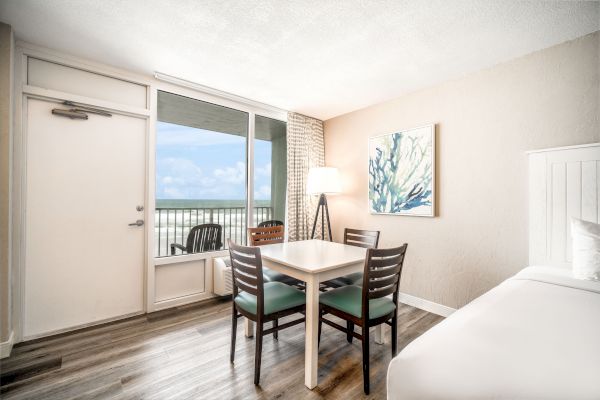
<point>535,336</point>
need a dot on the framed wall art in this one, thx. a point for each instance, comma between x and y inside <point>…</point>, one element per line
<point>402,172</point>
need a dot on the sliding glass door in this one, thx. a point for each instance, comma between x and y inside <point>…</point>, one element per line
<point>202,185</point>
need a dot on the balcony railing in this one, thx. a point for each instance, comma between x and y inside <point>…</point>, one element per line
<point>172,225</point>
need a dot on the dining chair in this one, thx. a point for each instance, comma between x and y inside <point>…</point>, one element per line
<point>267,235</point>
<point>205,237</point>
<point>370,304</point>
<point>359,238</point>
<point>258,300</point>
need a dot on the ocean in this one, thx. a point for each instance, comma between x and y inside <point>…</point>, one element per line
<point>209,203</point>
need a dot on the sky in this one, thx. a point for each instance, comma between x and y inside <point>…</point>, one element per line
<point>197,164</point>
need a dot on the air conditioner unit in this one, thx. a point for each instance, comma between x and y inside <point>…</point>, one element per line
<point>222,285</point>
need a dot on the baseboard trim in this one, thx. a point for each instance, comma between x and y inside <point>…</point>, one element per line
<point>6,347</point>
<point>424,304</point>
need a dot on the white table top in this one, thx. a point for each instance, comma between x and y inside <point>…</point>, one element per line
<point>313,256</point>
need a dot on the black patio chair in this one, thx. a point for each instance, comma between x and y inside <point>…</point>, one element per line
<point>202,238</point>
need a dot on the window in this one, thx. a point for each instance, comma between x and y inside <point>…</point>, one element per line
<point>201,174</point>
<point>270,169</point>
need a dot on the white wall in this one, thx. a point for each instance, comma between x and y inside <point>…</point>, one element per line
<point>485,123</point>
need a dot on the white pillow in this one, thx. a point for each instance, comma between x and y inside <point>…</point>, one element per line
<point>586,249</point>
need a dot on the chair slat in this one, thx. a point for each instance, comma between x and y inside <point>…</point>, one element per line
<point>387,260</point>
<point>361,238</point>
<point>389,252</point>
<point>246,278</point>
<point>246,288</point>
<point>264,242</point>
<point>385,263</point>
<point>361,232</point>
<point>381,292</point>
<point>389,280</point>
<point>272,222</point>
<point>244,251</point>
<point>250,270</point>
<point>356,243</point>
<point>383,272</point>
<point>249,260</point>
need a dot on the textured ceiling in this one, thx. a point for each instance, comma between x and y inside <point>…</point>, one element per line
<point>322,58</point>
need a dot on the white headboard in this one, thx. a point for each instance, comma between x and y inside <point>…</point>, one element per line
<point>563,183</point>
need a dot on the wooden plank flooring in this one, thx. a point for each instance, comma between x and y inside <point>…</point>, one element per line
<point>183,353</point>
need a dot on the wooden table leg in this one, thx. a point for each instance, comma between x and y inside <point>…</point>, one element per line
<point>248,327</point>
<point>379,333</point>
<point>311,352</point>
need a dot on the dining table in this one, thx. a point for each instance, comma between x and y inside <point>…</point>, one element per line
<point>313,262</point>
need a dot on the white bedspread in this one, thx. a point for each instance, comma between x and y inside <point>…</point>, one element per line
<point>535,336</point>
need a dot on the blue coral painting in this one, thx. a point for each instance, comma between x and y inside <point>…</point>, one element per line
<point>401,172</point>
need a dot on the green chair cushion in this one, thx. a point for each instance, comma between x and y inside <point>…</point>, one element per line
<point>278,297</point>
<point>357,278</point>
<point>269,275</point>
<point>337,282</point>
<point>349,299</point>
<point>350,279</point>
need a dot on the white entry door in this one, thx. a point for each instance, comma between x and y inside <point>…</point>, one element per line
<point>84,262</point>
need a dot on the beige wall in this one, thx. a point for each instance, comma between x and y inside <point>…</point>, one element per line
<point>485,123</point>
<point>6,52</point>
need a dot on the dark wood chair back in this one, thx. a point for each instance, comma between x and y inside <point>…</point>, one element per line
<point>246,269</point>
<point>361,238</point>
<point>272,222</point>
<point>205,237</point>
<point>266,235</point>
<point>381,277</point>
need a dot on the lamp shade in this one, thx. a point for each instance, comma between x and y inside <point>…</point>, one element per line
<point>323,180</point>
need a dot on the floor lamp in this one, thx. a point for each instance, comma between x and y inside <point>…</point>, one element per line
<point>322,181</point>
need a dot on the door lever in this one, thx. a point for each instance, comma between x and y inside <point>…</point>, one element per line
<point>139,222</point>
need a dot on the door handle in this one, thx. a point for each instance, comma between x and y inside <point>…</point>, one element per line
<point>139,222</point>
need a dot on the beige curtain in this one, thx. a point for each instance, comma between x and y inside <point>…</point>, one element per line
<point>305,149</point>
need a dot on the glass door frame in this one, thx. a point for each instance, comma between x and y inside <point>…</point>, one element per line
<point>198,92</point>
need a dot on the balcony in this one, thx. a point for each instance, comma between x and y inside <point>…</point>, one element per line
<point>172,225</point>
